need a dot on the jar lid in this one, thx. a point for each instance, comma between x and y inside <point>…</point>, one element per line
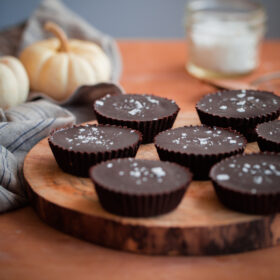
<point>225,10</point>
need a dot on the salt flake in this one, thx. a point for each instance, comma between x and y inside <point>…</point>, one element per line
<point>223,177</point>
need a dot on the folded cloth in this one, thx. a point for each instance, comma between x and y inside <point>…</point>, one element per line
<point>21,128</point>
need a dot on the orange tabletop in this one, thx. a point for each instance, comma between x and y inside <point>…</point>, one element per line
<point>29,249</point>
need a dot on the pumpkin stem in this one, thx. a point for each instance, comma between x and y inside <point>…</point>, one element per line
<point>60,34</point>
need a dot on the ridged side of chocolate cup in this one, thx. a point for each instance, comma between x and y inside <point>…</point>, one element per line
<point>199,165</point>
<point>258,204</point>
<point>266,145</point>
<point>245,126</point>
<point>78,163</point>
<point>140,205</point>
<point>149,129</point>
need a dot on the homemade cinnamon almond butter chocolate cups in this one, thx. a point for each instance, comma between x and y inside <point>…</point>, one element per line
<point>198,147</point>
<point>77,148</point>
<point>249,183</point>
<point>269,136</point>
<point>148,114</point>
<point>241,110</point>
<point>139,188</point>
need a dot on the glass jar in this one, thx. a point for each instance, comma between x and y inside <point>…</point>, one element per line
<point>223,37</point>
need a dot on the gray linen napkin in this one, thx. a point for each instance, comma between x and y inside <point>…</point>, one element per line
<point>21,128</point>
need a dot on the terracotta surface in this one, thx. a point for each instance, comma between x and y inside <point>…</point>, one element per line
<point>200,225</point>
<point>30,249</point>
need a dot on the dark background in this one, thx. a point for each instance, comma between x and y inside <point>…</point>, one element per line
<point>130,18</point>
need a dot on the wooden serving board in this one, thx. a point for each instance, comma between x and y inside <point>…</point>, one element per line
<point>201,225</point>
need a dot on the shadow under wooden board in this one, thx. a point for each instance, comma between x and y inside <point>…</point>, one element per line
<point>201,225</point>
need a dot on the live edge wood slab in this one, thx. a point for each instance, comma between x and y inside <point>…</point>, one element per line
<point>201,225</point>
<point>30,249</point>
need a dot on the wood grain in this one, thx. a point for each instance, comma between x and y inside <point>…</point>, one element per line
<point>199,226</point>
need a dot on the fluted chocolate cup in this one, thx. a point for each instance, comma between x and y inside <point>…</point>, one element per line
<point>241,110</point>
<point>139,188</point>
<point>148,114</point>
<point>198,147</point>
<point>78,148</point>
<point>269,136</point>
<point>249,183</point>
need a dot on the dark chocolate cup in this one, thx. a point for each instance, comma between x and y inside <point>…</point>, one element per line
<point>198,164</point>
<point>78,163</point>
<point>245,126</point>
<point>140,205</point>
<point>244,201</point>
<point>267,145</point>
<point>149,129</point>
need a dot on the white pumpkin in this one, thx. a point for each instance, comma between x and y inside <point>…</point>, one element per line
<point>14,83</point>
<point>58,66</point>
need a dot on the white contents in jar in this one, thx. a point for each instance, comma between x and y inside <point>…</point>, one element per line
<point>228,47</point>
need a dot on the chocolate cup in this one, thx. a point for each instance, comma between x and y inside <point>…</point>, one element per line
<point>149,128</point>
<point>78,163</point>
<point>245,125</point>
<point>266,144</point>
<point>139,205</point>
<point>244,201</point>
<point>199,164</point>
